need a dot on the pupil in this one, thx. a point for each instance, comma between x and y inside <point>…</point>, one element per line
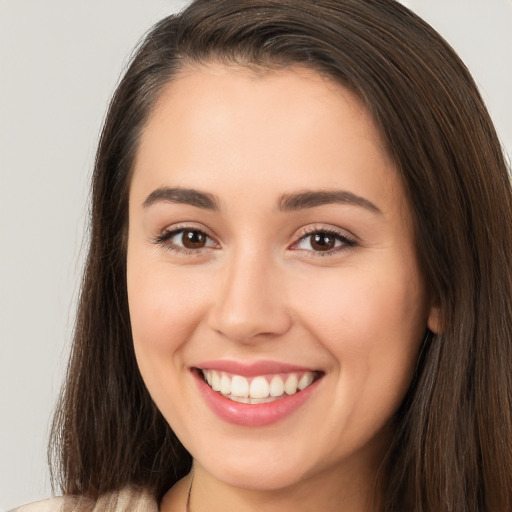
<point>322,242</point>
<point>193,239</point>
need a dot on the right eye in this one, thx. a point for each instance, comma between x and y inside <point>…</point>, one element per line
<point>186,240</point>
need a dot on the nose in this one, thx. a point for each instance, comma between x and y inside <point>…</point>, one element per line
<point>251,302</point>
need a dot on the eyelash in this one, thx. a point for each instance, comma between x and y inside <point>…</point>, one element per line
<point>168,234</point>
<point>346,241</point>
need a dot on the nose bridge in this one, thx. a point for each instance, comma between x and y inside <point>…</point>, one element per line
<point>251,300</point>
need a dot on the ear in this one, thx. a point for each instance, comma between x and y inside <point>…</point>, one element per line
<point>434,320</point>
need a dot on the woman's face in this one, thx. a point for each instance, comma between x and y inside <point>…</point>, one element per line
<point>271,249</point>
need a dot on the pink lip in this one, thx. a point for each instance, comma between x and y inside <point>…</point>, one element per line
<point>252,415</point>
<point>252,369</point>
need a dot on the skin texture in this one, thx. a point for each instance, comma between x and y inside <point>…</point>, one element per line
<point>260,290</point>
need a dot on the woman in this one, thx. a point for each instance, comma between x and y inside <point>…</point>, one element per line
<point>298,290</point>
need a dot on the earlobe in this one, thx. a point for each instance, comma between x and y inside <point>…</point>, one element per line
<point>434,320</point>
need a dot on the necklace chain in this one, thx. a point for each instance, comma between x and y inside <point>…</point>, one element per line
<point>187,507</point>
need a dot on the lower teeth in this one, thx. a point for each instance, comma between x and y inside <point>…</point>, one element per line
<point>246,400</point>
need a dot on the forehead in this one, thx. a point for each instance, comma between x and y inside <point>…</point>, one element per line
<point>291,128</point>
<point>247,98</point>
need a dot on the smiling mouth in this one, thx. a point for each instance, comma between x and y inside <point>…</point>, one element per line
<point>259,389</point>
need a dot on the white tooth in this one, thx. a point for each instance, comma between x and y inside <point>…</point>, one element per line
<point>239,386</point>
<point>208,376</point>
<point>225,384</point>
<point>261,400</point>
<point>305,381</point>
<point>241,399</point>
<point>246,400</point>
<point>290,385</point>
<point>215,381</point>
<point>259,388</point>
<point>276,386</point>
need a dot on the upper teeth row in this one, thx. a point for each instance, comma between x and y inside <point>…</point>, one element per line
<point>257,387</point>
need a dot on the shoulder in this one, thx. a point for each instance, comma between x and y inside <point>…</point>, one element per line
<point>125,500</point>
<point>51,505</point>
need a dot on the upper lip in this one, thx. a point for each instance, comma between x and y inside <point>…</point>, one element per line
<point>251,369</point>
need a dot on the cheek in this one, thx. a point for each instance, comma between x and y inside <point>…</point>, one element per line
<point>359,310</point>
<point>164,307</point>
<point>372,322</point>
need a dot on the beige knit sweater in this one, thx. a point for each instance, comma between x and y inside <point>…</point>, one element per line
<point>126,500</point>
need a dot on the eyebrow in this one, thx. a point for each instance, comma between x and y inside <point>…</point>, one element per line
<point>312,199</point>
<point>286,203</point>
<point>182,196</point>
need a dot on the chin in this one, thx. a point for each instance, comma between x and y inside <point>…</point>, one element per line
<point>259,479</point>
<point>257,473</point>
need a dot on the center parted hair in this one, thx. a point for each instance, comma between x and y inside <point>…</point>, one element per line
<point>452,449</point>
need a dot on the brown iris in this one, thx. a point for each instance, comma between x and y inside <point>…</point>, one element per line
<point>322,241</point>
<point>193,239</point>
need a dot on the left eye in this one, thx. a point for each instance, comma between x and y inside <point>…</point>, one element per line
<point>322,241</point>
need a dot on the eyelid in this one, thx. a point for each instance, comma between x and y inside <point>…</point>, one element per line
<point>348,240</point>
<point>164,236</point>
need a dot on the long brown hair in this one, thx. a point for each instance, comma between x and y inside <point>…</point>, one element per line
<point>452,450</point>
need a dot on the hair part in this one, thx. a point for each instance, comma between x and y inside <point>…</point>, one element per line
<point>452,449</point>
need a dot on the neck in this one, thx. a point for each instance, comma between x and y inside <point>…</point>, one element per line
<point>332,490</point>
<point>355,485</point>
<point>326,495</point>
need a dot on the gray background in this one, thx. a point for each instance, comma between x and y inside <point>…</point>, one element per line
<point>59,63</point>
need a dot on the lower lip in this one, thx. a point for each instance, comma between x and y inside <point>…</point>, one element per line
<point>252,415</point>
